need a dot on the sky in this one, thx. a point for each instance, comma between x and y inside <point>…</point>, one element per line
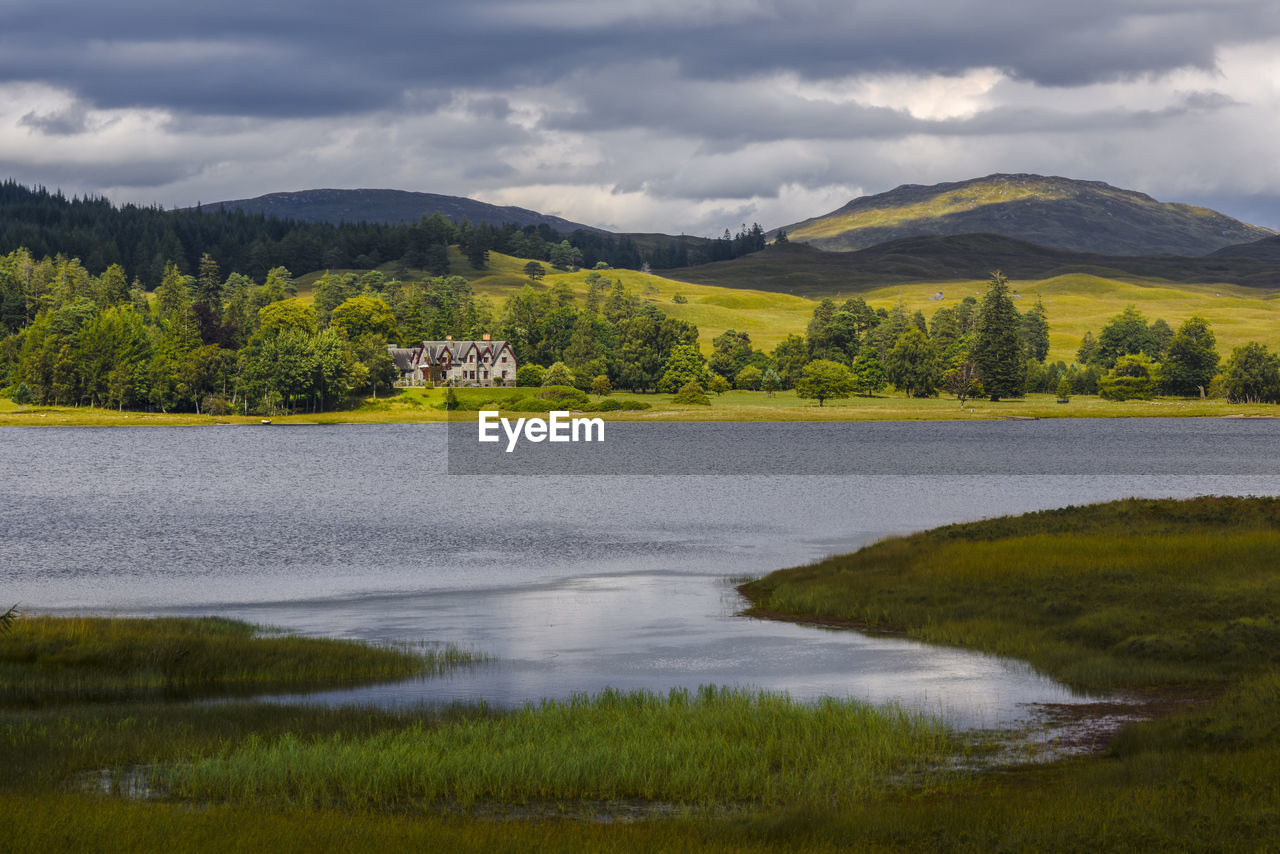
<point>682,116</point>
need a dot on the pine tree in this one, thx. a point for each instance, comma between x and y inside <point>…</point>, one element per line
<point>997,347</point>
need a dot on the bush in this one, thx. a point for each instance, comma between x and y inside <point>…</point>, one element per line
<point>607,405</point>
<point>216,405</point>
<point>558,374</point>
<point>632,405</point>
<point>21,394</point>
<point>566,394</point>
<point>749,378</point>
<point>530,376</point>
<point>1134,377</point>
<point>691,393</point>
<point>1064,390</point>
<point>717,383</point>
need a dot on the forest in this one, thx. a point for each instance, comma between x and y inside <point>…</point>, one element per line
<point>144,240</point>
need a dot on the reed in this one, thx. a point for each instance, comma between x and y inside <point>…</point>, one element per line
<point>715,747</point>
<point>60,659</point>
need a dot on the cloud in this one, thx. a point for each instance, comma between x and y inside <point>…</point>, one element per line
<point>670,115</point>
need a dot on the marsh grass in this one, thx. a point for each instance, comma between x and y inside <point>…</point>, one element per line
<point>1133,593</point>
<point>715,747</point>
<point>61,659</point>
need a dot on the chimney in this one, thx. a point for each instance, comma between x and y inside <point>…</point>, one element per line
<point>485,336</point>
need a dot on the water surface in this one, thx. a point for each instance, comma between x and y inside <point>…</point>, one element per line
<point>570,583</point>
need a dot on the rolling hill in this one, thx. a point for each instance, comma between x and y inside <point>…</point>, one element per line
<point>1059,213</point>
<point>390,207</point>
<point>795,268</point>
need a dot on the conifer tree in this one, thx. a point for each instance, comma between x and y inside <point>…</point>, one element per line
<point>997,347</point>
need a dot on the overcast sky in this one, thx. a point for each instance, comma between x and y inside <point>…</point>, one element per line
<point>657,115</point>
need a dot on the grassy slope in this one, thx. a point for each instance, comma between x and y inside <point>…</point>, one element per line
<point>1076,303</point>
<point>1046,210</point>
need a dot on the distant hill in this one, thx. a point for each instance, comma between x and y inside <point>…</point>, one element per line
<point>1059,213</point>
<point>795,268</point>
<point>390,207</point>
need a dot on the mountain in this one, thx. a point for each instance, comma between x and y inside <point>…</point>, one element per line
<point>795,268</point>
<point>1059,213</point>
<point>390,207</point>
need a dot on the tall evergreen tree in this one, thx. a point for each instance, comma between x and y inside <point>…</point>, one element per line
<point>997,347</point>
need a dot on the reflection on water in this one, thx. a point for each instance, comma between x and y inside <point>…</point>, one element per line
<point>658,631</point>
<point>570,584</point>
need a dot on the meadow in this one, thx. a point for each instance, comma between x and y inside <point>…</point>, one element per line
<point>1076,303</point>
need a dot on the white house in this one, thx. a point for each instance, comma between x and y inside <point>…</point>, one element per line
<point>449,362</point>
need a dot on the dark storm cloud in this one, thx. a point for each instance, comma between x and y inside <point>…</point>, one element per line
<point>723,119</point>
<point>302,58</point>
<point>71,121</point>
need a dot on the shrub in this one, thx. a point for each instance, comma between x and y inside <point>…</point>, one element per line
<point>565,394</point>
<point>530,376</point>
<point>1064,390</point>
<point>691,393</point>
<point>21,394</point>
<point>1134,377</point>
<point>558,375</point>
<point>749,378</point>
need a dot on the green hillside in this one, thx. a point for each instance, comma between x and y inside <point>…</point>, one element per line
<point>1056,212</point>
<point>1076,302</point>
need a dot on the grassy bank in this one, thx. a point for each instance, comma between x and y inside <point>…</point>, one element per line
<point>1134,593</point>
<point>412,406</point>
<point>62,659</point>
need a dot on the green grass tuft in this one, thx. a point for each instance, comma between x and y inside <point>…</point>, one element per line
<point>63,659</point>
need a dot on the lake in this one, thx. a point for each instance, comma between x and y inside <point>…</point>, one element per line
<point>570,582</point>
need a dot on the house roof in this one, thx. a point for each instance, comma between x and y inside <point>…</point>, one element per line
<point>431,352</point>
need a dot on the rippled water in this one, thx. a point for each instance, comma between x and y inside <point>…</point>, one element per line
<point>569,583</point>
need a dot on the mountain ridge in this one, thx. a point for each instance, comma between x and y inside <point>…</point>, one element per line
<point>391,207</point>
<point>1051,211</point>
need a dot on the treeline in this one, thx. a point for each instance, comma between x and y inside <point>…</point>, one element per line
<point>1133,359</point>
<point>142,240</point>
<point>214,343</point>
<point>865,349</point>
<point>610,332</point>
